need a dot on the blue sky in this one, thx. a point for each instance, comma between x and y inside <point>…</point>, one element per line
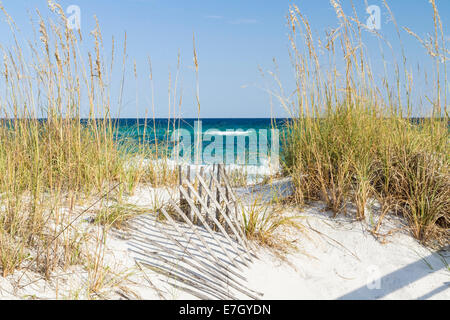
<point>233,38</point>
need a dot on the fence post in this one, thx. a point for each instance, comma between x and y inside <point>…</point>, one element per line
<point>180,181</point>
<point>200,191</point>
<point>189,209</point>
<point>218,191</point>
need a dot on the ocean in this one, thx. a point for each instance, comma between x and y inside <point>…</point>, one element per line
<point>134,128</point>
<point>229,141</point>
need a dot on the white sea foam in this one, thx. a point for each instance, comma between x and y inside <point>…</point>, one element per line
<point>227,133</point>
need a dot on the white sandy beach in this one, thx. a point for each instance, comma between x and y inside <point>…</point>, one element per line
<point>280,152</point>
<point>340,259</point>
<point>337,258</point>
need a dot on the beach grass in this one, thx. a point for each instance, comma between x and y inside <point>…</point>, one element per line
<point>349,140</point>
<point>265,223</point>
<point>56,156</point>
<point>352,137</point>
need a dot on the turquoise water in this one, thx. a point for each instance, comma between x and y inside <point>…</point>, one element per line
<point>247,136</point>
<point>134,128</point>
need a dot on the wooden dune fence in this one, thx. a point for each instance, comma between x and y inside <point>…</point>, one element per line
<point>205,246</point>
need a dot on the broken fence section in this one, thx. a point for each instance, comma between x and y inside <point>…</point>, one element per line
<point>202,249</point>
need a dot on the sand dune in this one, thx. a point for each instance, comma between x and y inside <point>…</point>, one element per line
<point>337,258</point>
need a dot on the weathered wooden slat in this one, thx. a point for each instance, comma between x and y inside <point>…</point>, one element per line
<point>227,220</point>
<point>188,177</point>
<point>175,266</point>
<point>228,184</point>
<point>199,295</point>
<point>171,274</point>
<point>216,190</point>
<point>219,225</point>
<point>208,202</point>
<point>206,254</point>
<point>211,271</point>
<point>232,195</point>
<point>215,262</point>
<point>200,192</point>
<point>194,229</point>
<point>158,291</point>
<point>197,272</point>
<point>212,233</point>
<point>180,178</point>
<point>237,222</point>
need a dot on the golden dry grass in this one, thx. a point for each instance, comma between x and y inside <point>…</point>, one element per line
<point>51,168</point>
<point>352,138</point>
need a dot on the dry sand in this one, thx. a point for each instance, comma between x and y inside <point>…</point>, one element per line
<point>340,259</point>
<point>337,258</point>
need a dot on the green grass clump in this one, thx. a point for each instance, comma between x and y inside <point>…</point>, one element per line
<point>266,224</point>
<point>50,168</point>
<point>117,216</point>
<point>349,141</point>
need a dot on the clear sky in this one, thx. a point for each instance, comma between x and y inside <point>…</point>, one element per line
<point>233,38</point>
